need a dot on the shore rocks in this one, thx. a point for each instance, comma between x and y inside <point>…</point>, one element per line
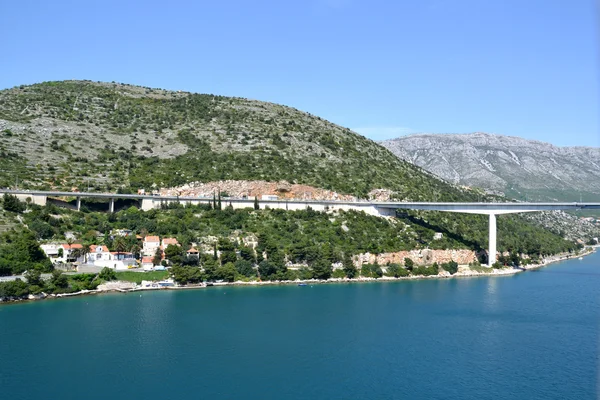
<point>419,257</point>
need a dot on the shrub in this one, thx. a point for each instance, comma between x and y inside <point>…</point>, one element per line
<point>107,274</point>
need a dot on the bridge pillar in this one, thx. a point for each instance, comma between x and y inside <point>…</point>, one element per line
<point>492,241</point>
<point>111,205</point>
<point>78,202</point>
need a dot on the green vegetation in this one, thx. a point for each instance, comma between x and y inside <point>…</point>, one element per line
<point>107,274</point>
<point>209,138</point>
<point>58,283</point>
<point>138,277</point>
<point>451,267</point>
<point>19,252</point>
<point>396,271</point>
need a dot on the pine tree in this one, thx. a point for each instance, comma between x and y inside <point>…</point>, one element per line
<point>349,268</point>
<point>219,202</point>
<point>214,201</point>
<point>256,206</point>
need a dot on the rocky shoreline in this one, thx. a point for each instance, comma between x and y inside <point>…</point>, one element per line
<point>463,272</point>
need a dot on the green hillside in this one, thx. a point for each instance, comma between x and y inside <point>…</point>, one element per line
<point>108,135</point>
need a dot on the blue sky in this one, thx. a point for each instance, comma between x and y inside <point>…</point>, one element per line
<point>525,68</point>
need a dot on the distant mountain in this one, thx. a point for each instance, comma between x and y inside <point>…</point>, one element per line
<point>519,168</point>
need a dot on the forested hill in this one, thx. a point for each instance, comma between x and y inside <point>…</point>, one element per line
<point>109,135</point>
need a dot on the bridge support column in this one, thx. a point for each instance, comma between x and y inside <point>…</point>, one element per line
<point>78,202</point>
<point>111,205</point>
<point>492,241</point>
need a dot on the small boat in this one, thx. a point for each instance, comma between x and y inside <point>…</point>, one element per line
<point>302,284</point>
<point>580,258</point>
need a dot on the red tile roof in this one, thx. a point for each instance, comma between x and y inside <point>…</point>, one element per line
<point>151,239</point>
<point>94,248</point>
<point>67,246</point>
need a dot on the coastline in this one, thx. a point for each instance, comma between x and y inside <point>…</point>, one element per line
<point>463,272</point>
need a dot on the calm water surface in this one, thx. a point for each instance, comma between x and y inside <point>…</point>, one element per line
<point>534,335</point>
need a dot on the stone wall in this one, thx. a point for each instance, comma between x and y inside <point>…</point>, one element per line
<point>419,257</point>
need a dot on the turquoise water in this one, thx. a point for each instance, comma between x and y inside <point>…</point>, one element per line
<point>533,335</point>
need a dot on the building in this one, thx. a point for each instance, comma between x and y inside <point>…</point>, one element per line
<point>100,256</point>
<point>192,253</point>
<point>121,232</point>
<point>168,241</point>
<point>147,263</point>
<point>150,244</point>
<point>63,252</point>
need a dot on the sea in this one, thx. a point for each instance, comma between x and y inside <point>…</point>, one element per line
<point>532,335</point>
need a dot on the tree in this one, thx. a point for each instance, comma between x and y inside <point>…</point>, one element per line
<point>12,203</point>
<point>210,269</point>
<point>256,205</point>
<point>135,250</point>
<point>409,264</point>
<point>59,280</point>
<point>247,253</point>
<point>244,267</point>
<point>173,253</point>
<point>34,277</point>
<point>16,288</point>
<point>84,251</point>
<point>266,270</point>
<point>219,202</point>
<point>214,201</point>
<point>227,249</point>
<point>119,244</point>
<point>322,269</point>
<point>157,256</point>
<point>451,266</point>
<point>107,274</point>
<point>348,265</point>
<point>227,272</point>
<point>184,275</point>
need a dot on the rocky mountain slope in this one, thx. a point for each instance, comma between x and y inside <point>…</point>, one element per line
<point>110,136</point>
<point>519,168</point>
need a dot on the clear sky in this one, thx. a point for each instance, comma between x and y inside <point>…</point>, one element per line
<point>526,68</point>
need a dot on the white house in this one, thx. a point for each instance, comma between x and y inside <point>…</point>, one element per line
<point>151,243</point>
<point>168,241</point>
<point>62,253</point>
<point>100,256</point>
<point>147,263</point>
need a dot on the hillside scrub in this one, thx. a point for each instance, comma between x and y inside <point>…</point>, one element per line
<point>155,137</point>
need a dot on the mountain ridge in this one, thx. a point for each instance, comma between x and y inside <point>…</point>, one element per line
<point>510,165</point>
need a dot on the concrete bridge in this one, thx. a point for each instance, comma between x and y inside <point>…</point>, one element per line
<point>148,202</point>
